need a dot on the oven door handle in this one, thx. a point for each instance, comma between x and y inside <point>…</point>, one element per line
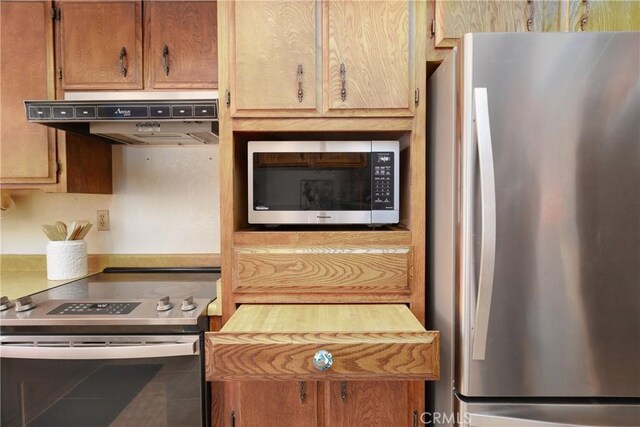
<point>187,346</point>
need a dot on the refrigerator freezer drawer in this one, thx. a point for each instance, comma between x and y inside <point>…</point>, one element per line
<point>322,342</point>
<point>545,414</point>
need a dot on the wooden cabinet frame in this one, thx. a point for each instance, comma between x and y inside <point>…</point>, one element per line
<point>238,237</point>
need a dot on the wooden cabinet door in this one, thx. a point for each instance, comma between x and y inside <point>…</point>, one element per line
<point>604,15</point>
<point>276,403</point>
<point>368,55</point>
<point>101,45</point>
<point>28,152</point>
<point>273,57</point>
<point>455,18</point>
<point>181,49</point>
<point>367,403</point>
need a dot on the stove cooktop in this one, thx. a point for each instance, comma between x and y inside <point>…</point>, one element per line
<point>172,300</point>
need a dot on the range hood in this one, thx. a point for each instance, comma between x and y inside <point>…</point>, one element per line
<point>132,122</point>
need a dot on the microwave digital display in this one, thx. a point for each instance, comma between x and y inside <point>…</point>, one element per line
<point>320,182</point>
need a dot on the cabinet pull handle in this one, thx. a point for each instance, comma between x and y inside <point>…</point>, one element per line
<point>123,62</point>
<point>531,5</point>
<point>303,391</point>
<point>322,360</point>
<point>343,77</point>
<point>300,91</point>
<point>233,419</point>
<point>343,391</point>
<point>165,59</point>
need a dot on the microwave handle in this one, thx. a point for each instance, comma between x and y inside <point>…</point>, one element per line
<point>32,350</point>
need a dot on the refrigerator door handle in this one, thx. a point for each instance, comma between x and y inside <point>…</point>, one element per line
<point>488,215</point>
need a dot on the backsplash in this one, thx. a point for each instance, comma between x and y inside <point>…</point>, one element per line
<point>165,200</point>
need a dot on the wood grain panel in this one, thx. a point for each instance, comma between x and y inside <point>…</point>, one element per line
<point>323,124</point>
<point>28,152</point>
<point>372,40</point>
<point>189,30</point>
<point>261,403</point>
<point>368,403</point>
<point>604,15</point>
<point>392,356</point>
<point>92,36</point>
<point>321,269</point>
<point>455,18</point>
<point>87,165</point>
<point>278,342</point>
<point>271,39</point>
<point>394,236</point>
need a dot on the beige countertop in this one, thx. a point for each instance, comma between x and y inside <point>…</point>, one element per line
<point>16,284</point>
<point>22,275</point>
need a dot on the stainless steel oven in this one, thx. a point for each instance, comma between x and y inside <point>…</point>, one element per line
<point>109,350</point>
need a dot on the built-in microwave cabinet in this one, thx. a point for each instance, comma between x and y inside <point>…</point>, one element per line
<point>102,46</point>
<point>310,58</point>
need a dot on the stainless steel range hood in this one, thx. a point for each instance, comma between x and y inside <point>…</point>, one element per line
<point>172,119</point>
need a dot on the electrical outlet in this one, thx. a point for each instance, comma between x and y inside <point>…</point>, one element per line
<point>103,221</point>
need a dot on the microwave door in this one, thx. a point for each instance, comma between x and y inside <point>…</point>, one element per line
<point>319,182</point>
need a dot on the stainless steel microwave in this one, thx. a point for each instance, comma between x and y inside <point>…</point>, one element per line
<point>323,182</point>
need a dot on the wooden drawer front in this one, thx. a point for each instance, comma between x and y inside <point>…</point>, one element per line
<point>278,342</point>
<point>397,356</point>
<point>322,270</point>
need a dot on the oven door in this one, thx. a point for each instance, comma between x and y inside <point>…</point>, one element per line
<point>102,381</point>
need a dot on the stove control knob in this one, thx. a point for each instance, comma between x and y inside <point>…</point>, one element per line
<point>164,304</point>
<point>24,304</point>
<point>188,304</point>
<point>5,304</point>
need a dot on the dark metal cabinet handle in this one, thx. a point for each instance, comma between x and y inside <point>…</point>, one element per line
<point>303,391</point>
<point>343,77</point>
<point>123,62</point>
<point>300,91</point>
<point>531,6</point>
<point>343,391</point>
<point>165,59</point>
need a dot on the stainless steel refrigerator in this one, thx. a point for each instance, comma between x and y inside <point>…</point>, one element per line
<point>534,230</point>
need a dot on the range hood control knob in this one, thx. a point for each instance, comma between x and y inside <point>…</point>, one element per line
<point>188,304</point>
<point>164,304</point>
<point>5,304</point>
<point>24,304</point>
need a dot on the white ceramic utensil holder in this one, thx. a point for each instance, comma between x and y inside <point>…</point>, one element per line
<point>66,259</point>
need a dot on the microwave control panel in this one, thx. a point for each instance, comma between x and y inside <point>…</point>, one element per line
<point>382,180</point>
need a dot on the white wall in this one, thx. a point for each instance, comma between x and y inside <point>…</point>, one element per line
<point>165,200</point>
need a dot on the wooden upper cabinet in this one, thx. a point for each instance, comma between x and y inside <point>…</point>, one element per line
<point>604,15</point>
<point>455,18</point>
<point>101,45</point>
<point>273,59</point>
<point>368,55</point>
<point>181,46</point>
<point>27,151</point>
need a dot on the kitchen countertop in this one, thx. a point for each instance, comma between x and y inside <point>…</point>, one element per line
<point>16,284</point>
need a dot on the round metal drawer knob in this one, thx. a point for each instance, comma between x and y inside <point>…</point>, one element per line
<point>322,360</point>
